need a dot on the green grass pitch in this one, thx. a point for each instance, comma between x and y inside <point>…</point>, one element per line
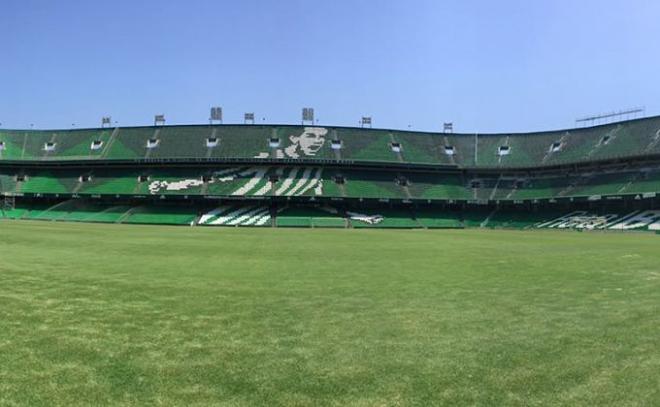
<point>149,315</point>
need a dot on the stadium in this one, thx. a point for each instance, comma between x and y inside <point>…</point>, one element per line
<point>455,219</point>
<point>208,195</point>
<point>602,177</point>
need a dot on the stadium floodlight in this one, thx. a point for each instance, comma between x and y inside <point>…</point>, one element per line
<point>365,121</point>
<point>106,120</point>
<point>308,115</point>
<point>159,119</point>
<point>448,127</point>
<point>248,118</point>
<point>216,114</point>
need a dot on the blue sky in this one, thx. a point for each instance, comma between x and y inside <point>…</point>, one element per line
<point>485,65</point>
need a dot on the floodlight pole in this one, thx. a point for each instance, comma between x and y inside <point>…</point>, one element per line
<point>159,119</point>
<point>216,115</point>
<point>307,115</point>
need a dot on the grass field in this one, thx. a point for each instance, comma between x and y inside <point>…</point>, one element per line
<point>135,315</point>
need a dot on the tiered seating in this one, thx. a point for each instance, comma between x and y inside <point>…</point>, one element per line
<point>541,188</point>
<point>385,218</point>
<point>82,211</point>
<point>437,186</point>
<point>371,184</point>
<point>295,217</point>
<point>46,182</point>
<point>14,213</point>
<point>86,211</point>
<point>11,146</point>
<point>111,214</point>
<point>464,151</point>
<point>321,182</point>
<point>34,209</point>
<point>310,217</point>
<point>175,181</point>
<point>71,210</point>
<point>300,216</point>
<point>129,144</point>
<point>299,191</point>
<point>535,149</point>
<point>114,182</point>
<point>438,219</point>
<point>266,181</point>
<point>51,213</point>
<point>247,141</point>
<point>517,219</point>
<point>23,144</point>
<point>181,142</point>
<point>422,148</point>
<point>645,183</point>
<point>503,189</point>
<point>487,149</point>
<point>603,184</point>
<point>366,144</point>
<point>624,139</point>
<point>235,180</point>
<point>486,187</point>
<point>76,210</point>
<point>161,214</point>
<point>237,215</point>
<point>304,143</point>
<point>476,217</point>
<point>7,182</point>
<point>330,187</point>
<point>629,139</point>
<point>77,144</point>
<point>603,219</point>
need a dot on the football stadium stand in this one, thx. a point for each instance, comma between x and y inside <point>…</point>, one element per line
<point>601,177</point>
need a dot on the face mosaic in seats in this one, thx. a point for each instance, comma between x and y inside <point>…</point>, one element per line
<point>302,145</point>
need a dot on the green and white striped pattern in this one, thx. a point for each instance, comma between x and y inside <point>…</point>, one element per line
<point>234,215</point>
<point>252,181</point>
<point>636,220</point>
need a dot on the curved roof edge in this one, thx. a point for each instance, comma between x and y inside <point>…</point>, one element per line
<point>472,134</point>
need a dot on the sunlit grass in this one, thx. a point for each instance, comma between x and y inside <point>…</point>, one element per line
<point>133,315</point>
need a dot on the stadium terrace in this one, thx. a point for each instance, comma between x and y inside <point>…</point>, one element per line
<point>602,177</point>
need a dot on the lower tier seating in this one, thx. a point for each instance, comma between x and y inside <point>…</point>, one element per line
<point>386,218</point>
<point>438,219</point>
<point>310,217</point>
<point>620,217</point>
<point>162,215</point>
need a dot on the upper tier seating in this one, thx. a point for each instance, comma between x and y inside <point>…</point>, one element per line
<point>632,138</point>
